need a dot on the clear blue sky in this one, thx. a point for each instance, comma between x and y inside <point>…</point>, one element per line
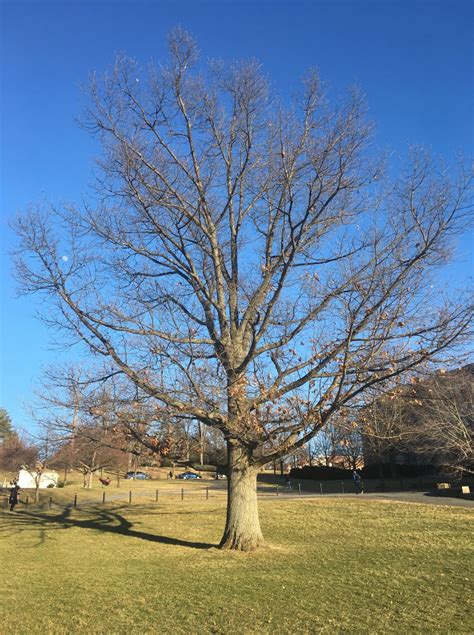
<point>413,59</point>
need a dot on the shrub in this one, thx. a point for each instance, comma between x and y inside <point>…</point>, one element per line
<point>397,471</point>
<point>204,468</point>
<point>321,473</point>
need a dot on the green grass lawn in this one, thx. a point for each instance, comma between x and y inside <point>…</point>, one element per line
<point>332,566</point>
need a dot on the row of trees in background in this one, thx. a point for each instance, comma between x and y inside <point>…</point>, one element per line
<point>426,424</point>
<point>74,434</point>
<point>15,451</point>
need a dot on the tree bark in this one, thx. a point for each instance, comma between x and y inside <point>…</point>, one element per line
<point>242,531</point>
<point>201,443</point>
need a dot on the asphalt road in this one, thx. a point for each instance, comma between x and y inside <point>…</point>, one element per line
<point>425,498</point>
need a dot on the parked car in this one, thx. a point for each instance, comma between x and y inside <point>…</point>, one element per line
<point>220,476</point>
<point>189,475</point>
<point>139,476</point>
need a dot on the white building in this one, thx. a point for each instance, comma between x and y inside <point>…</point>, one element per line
<point>26,479</point>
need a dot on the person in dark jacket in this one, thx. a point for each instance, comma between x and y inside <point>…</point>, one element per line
<point>14,494</point>
<point>357,482</point>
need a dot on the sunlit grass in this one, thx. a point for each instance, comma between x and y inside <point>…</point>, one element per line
<point>331,566</point>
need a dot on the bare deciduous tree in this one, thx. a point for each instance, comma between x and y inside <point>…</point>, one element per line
<point>16,452</point>
<point>349,446</point>
<point>324,447</point>
<point>92,427</point>
<point>444,420</point>
<point>35,470</point>
<point>386,425</point>
<point>447,420</point>
<point>429,419</point>
<point>245,263</point>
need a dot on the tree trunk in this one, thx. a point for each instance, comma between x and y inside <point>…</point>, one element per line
<point>242,530</point>
<point>201,443</point>
<point>393,464</point>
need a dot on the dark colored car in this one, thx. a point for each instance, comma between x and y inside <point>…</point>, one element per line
<point>189,475</point>
<point>139,476</point>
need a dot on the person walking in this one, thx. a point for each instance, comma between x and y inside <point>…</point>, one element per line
<point>14,494</point>
<point>357,482</point>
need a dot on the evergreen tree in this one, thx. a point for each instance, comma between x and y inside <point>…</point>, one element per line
<point>5,425</point>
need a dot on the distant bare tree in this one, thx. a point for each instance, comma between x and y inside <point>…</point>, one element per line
<point>431,418</point>
<point>324,447</point>
<point>446,420</point>
<point>16,452</point>
<point>36,470</point>
<point>386,427</point>
<point>64,458</point>
<point>349,446</point>
<point>245,263</point>
<point>72,405</point>
<point>93,455</point>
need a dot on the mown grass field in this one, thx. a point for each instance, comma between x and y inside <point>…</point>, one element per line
<point>332,566</point>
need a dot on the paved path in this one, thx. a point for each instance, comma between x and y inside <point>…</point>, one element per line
<point>425,498</point>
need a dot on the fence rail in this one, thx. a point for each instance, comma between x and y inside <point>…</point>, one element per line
<point>130,497</point>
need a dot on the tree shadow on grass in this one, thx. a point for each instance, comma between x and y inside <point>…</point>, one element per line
<point>99,518</point>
